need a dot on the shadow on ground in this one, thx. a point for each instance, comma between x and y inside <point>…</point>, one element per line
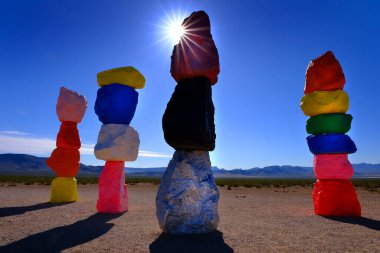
<point>195,243</point>
<point>64,237</point>
<point>9,211</point>
<point>361,221</point>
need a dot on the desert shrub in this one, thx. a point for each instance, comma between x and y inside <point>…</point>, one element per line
<point>372,185</point>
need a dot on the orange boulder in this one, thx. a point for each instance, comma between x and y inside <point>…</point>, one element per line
<point>324,73</point>
<point>64,162</point>
<point>68,136</point>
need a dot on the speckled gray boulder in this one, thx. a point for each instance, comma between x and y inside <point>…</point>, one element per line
<point>187,199</point>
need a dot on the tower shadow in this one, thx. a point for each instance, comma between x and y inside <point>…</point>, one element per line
<point>9,211</point>
<point>361,221</point>
<point>60,238</point>
<point>194,243</point>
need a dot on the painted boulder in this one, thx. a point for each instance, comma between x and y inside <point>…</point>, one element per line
<point>323,74</point>
<point>334,166</point>
<point>335,197</point>
<point>63,189</point>
<point>113,195</point>
<point>330,144</point>
<point>70,106</point>
<point>336,123</point>
<point>196,54</point>
<point>188,121</point>
<point>323,102</point>
<point>187,199</point>
<point>116,104</point>
<point>124,75</point>
<point>117,142</point>
<point>68,136</point>
<point>64,162</point>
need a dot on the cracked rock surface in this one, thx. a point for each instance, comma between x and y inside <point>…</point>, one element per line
<point>187,199</point>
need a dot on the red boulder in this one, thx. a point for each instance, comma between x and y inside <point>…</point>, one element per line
<point>324,73</point>
<point>64,162</point>
<point>335,197</point>
<point>196,54</point>
<point>68,136</point>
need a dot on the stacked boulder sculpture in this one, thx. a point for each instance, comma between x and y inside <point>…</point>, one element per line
<point>118,142</point>
<point>326,103</point>
<point>187,199</point>
<point>64,160</point>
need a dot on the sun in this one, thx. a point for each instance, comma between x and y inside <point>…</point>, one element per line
<point>175,31</point>
<point>171,30</point>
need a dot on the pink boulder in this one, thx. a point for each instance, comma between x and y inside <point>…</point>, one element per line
<point>324,73</point>
<point>70,106</point>
<point>333,166</point>
<point>196,54</point>
<point>113,195</point>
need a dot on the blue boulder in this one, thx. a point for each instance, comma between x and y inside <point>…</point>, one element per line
<point>330,144</point>
<point>116,104</point>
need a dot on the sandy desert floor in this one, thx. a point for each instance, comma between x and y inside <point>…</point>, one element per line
<point>251,220</point>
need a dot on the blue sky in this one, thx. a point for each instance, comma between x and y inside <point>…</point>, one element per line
<point>264,48</point>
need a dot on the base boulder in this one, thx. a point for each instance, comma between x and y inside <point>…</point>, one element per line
<point>187,199</point>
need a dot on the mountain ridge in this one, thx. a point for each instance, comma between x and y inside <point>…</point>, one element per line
<point>33,165</point>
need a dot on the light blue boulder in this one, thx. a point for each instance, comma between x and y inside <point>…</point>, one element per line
<point>187,199</point>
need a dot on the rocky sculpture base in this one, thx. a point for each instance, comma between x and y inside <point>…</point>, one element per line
<point>113,194</point>
<point>187,199</point>
<point>63,189</point>
<point>335,197</point>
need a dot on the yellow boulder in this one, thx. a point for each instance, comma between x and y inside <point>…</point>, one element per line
<point>63,189</point>
<point>322,102</point>
<point>125,75</point>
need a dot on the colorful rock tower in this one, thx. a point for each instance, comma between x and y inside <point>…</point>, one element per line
<point>64,160</point>
<point>187,199</point>
<point>326,103</point>
<point>118,142</point>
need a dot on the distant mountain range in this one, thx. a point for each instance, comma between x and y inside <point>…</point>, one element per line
<point>31,165</point>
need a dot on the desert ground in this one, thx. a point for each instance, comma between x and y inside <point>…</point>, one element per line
<point>251,220</point>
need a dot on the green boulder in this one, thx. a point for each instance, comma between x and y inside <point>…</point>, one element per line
<point>337,123</point>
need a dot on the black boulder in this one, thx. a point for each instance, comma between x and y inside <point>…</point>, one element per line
<point>188,121</point>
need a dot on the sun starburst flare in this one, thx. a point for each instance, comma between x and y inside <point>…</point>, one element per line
<point>171,30</point>
<point>175,32</point>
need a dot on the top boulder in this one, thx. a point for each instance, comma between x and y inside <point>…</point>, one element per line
<point>70,106</point>
<point>324,73</point>
<point>196,54</point>
<point>125,75</point>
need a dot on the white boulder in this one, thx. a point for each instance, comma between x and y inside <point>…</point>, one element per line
<point>117,142</point>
